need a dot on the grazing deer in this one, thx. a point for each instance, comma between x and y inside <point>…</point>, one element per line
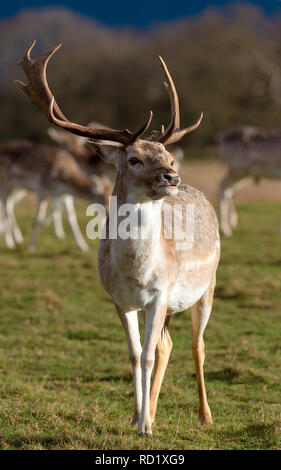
<point>92,165</point>
<point>154,274</point>
<point>90,162</point>
<point>250,153</point>
<point>55,174</point>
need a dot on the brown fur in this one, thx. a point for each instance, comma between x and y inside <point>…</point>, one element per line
<point>23,162</point>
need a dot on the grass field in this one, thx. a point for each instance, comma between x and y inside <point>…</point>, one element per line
<point>65,374</point>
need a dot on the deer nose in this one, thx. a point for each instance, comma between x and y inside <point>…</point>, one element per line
<point>172,180</point>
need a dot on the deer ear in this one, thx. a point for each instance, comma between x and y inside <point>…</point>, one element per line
<point>56,135</point>
<point>111,152</point>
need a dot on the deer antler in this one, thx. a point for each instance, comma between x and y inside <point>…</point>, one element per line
<point>37,89</point>
<point>172,133</point>
<point>40,94</point>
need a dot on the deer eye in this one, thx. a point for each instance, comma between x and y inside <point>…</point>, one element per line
<point>134,161</point>
<point>172,162</point>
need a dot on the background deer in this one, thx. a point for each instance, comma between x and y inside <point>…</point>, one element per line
<point>148,274</point>
<point>54,174</point>
<point>250,153</point>
<point>91,163</point>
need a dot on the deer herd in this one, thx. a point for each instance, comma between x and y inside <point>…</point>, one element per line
<point>149,274</point>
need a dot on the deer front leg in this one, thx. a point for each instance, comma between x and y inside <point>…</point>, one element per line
<point>131,326</point>
<point>155,319</point>
<point>233,216</point>
<point>162,355</point>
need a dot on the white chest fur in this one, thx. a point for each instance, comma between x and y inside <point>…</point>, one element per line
<point>136,260</point>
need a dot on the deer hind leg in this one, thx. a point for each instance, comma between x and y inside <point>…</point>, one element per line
<point>73,222</point>
<point>237,185</point>
<point>200,313</point>
<point>130,324</point>
<point>228,215</point>
<point>162,355</point>
<point>232,213</point>
<point>41,210</point>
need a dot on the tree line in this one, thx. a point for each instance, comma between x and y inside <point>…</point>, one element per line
<point>226,63</point>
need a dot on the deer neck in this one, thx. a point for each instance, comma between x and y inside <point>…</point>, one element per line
<point>136,255</point>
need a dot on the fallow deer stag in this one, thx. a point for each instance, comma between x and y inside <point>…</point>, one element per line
<point>250,153</point>
<point>49,171</point>
<point>155,274</point>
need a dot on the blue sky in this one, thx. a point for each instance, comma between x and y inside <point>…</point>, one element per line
<point>132,12</point>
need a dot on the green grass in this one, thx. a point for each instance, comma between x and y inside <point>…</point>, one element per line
<point>65,374</point>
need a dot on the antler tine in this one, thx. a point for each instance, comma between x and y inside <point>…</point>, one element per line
<point>40,94</point>
<point>37,88</point>
<point>163,135</point>
<point>170,87</point>
<point>168,132</point>
<point>179,133</point>
<point>173,133</point>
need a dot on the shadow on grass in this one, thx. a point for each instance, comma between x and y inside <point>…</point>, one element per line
<point>127,378</point>
<point>222,294</point>
<point>227,374</point>
<point>45,441</point>
<point>261,262</point>
<point>254,436</point>
<point>67,252</point>
<point>22,442</point>
<point>255,306</point>
<point>231,375</point>
<point>84,335</point>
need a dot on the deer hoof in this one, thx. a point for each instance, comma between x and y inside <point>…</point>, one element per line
<point>145,433</point>
<point>145,428</point>
<point>205,418</point>
<point>135,420</point>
